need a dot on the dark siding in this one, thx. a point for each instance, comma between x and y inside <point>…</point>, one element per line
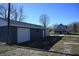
<point>13,35</point>
<point>36,34</point>
<point>4,34</point>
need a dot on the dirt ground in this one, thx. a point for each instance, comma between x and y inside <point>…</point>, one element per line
<point>16,51</point>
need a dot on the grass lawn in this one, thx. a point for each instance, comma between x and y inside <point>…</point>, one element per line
<point>67,38</point>
<point>5,48</point>
<point>22,51</point>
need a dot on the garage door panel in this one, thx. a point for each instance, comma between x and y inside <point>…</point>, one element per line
<point>23,35</point>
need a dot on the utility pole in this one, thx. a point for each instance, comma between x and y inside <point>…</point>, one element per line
<point>8,41</point>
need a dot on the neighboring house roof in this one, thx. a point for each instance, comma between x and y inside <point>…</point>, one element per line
<point>23,24</point>
<point>61,28</point>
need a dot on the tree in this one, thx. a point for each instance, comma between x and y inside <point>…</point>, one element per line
<point>15,14</point>
<point>74,27</point>
<point>3,11</point>
<point>21,15</point>
<point>55,28</point>
<point>44,20</point>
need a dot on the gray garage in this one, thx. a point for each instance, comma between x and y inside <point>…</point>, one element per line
<point>20,31</point>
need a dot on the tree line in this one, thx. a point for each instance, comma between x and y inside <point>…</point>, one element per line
<point>74,27</point>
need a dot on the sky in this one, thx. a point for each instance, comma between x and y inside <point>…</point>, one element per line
<point>64,13</point>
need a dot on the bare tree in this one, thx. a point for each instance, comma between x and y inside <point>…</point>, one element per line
<point>21,14</point>
<point>15,14</point>
<point>55,27</point>
<point>74,27</point>
<point>44,20</point>
<point>3,11</point>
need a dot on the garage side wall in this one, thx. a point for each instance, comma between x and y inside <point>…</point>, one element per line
<point>3,33</point>
<point>13,35</point>
<point>36,34</point>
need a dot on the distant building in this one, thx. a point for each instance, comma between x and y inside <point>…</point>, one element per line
<point>61,29</point>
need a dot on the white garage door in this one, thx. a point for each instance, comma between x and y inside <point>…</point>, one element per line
<point>23,35</point>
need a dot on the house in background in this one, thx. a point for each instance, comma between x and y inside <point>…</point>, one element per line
<point>20,31</point>
<point>61,29</point>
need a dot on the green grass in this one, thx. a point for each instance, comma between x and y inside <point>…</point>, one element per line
<point>75,49</point>
<point>67,38</point>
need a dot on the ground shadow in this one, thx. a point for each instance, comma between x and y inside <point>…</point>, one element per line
<point>44,43</point>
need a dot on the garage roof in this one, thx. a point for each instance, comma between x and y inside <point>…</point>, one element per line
<point>23,24</point>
